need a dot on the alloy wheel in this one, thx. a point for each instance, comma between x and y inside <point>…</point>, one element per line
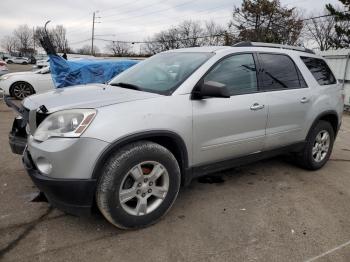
<point>321,146</point>
<point>144,188</point>
<point>22,90</point>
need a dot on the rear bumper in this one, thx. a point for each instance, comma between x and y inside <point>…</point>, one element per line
<point>74,196</point>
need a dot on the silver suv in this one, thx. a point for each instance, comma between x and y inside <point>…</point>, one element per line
<point>129,145</point>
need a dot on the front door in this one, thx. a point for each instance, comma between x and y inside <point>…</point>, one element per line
<point>225,128</point>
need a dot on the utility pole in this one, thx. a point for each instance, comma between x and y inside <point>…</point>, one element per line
<point>33,40</point>
<point>93,31</point>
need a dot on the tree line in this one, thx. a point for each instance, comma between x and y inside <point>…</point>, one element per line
<point>254,20</point>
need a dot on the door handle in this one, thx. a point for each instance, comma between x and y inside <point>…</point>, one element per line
<point>256,106</point>
<point>304,100</point>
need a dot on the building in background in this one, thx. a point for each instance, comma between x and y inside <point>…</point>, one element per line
<point>339,61</point>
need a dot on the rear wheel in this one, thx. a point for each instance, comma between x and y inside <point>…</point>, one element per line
<point>138,185</point>
<point>9,62</point>
<point>21,90</point>
<point>318,147</point>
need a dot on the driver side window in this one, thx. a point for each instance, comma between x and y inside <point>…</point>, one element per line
<point>237,73</point>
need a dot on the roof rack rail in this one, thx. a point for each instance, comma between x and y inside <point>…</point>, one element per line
<point>260,44</point>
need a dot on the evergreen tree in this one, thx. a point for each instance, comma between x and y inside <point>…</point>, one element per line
<point>342,18</point>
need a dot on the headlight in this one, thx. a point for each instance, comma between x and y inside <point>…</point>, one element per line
<point>4,77</point>
<point>67,123</point>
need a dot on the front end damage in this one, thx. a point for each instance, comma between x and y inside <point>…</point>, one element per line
<point>18,134</point>
<point>25,122</point>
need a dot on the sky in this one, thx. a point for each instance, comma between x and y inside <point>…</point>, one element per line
<point>124,20</point>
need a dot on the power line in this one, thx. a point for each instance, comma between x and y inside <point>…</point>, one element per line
<point>79,42</point>
<point>201,12</point>
<point>171,40</point>
<point>143,30</point>
<point>132,18</point>
<point>157,11</point>
<point>136,10</point>
<point>192,38</point>
<point>114,8</point>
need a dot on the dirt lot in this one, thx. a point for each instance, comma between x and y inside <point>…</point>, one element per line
<point>268,211</point>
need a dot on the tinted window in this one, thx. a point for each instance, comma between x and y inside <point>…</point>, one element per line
<point>280,73</point>
<point>320,70</point>
<point>237,73</point>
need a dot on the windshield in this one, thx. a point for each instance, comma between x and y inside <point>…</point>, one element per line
<point>162,73</point>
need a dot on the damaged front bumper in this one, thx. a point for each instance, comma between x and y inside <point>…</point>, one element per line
<point>18,133</point>
<point>73,196</point>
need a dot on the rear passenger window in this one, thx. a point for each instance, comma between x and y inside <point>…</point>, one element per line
<point>320,70</point>
<point>280,73</point>
<point>237,73</point>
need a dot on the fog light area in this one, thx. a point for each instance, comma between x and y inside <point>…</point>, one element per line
<point>44,165</point>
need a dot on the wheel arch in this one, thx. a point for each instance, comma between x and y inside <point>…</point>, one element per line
<point>330,116</point>
<point>170,140</point>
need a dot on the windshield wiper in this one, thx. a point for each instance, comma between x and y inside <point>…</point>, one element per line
<point>126,85</point>
<point>277,80</point>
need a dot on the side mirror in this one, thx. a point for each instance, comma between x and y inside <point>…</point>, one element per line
<point>210,89</point>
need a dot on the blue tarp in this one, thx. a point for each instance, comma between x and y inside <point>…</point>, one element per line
<point>76,72</point>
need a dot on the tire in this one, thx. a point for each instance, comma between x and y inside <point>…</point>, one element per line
<point>9,62</point>
<point>317,150</point>
<point>21,90</point>
<point>117,180</point>
<point>24,63</point>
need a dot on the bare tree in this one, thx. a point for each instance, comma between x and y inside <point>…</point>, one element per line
<point>187,34</point>
<point>320,31</point>
<point>151,47</point>
<point>60,39</point>
<point>10,44</point>
<point>119,48</point>
<point>24,36</point>
<point>86,50</point>
<point>190,33</point>
<point>57,36</point>
<point>215,33</point>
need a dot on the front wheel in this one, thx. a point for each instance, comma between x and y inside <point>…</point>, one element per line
<point>138,185</point>
<point>21,90</point>
<point>318,146</point>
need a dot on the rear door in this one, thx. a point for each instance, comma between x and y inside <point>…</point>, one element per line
<point>288,97</point>
<point>225,128</point>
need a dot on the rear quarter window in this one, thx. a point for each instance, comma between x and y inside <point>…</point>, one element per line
<point>320,70</point>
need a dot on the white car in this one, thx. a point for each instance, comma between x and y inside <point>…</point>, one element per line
<point>17,60</point>
<point>42,63</point>
<point>23,84</point>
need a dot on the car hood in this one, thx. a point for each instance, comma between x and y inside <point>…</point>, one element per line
<point>84,96</point>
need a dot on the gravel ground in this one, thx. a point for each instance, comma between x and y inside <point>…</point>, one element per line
<point>267,211</point>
